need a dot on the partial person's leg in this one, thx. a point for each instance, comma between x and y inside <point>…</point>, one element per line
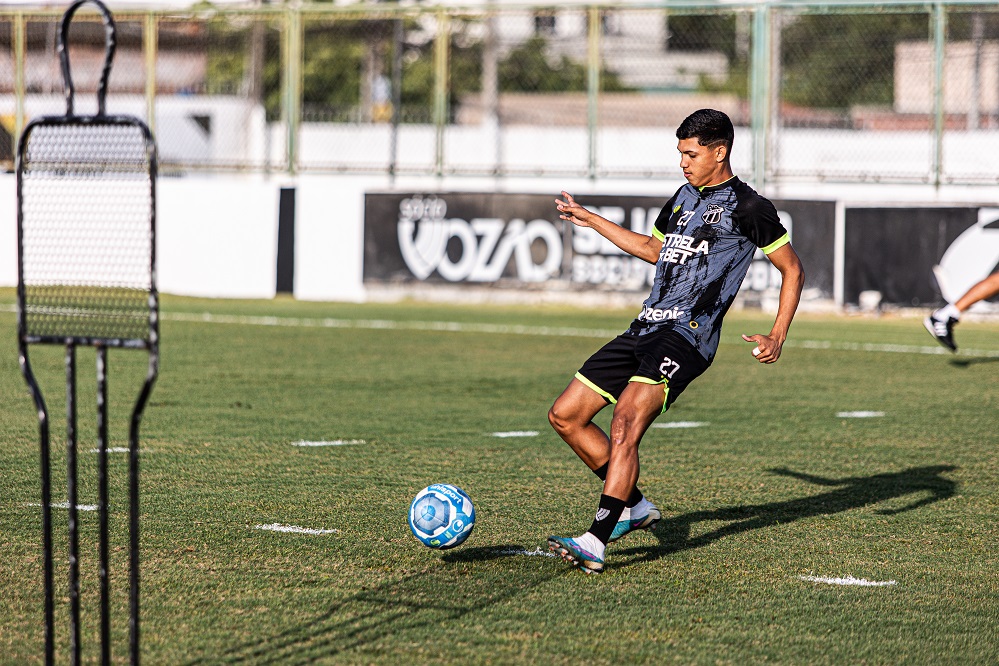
<point>635,410</point>
<point>941,322</point>
<point>987,288</point>
<point>639,405</point>
<point>572,418</point>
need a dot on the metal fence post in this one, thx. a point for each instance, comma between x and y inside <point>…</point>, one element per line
<point>19,91</point>
<point>442,43</point>
<point>292,83</point>
<point>150,43</point>
<point>939,43</point>
<point>592,86</point>
<point>759,92</point>
<point>398,35</point>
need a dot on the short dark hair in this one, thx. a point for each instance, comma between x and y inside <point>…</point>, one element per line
<point>709,127</point>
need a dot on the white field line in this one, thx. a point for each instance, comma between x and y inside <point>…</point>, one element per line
<point>117,449</point>
<point>890,349</point>
<point>549,331</point>
<point>849,580</point>
<point>65,505</point>
<point>680,424</point>
<point>332,442</point>
<point>859,415</point>
<point>517,433</point>
<point>294,529</point>
<point>529,553</point>
<point>390,324</point>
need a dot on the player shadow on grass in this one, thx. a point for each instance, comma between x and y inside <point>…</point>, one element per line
<point>361,627</point>
<point>967,362</point>
<point>674,534</point>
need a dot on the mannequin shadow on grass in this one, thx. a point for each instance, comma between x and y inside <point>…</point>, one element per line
<point>365,624</point>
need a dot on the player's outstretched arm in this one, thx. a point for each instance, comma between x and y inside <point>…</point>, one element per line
<point>792,280</point>
<point>638,245</point>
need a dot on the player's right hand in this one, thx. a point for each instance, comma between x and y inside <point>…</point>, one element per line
<point>767,349</point>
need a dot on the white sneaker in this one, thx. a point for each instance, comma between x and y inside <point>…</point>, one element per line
<point>942,329</point>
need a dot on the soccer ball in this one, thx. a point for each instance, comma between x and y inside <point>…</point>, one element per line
<point>441,516</point>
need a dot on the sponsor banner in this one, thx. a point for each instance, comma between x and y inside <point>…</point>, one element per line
<point>813,234</point>
<point>518,239</point>
<point>894,251</point>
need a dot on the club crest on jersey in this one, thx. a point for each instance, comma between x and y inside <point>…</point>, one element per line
<point>713,214</point>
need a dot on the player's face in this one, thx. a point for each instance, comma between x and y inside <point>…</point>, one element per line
<point>700,164</point>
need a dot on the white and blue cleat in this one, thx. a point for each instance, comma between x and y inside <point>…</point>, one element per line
<point>574,553</point>
<point>642,516</point>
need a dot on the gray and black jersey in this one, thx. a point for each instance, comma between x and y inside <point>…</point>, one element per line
<point>709,236</point>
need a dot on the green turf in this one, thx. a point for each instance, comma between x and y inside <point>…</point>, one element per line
<point>775,487</point>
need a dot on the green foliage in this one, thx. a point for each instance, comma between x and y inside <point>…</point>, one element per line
<point>331,71</point>
<point>229,51</point>
<point>226,58</point>
<point>830,61</point>
<point>737,82</point>
<point>529,68</point>
<point>718,33</point>
<point>333,64</point>
<point>840,60</point>
<point>703,32</point>
<point>526,68</point>
<point>224,71</point>
<point>418,78</point>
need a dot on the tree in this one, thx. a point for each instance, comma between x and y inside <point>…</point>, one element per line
<point>528,68</point>
<point>841,60</point>
<point>335,56</point>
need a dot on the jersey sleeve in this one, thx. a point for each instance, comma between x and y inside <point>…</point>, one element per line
<point>661,226</point>
<point>757,218</point>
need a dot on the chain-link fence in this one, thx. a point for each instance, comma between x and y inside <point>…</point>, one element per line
<point>835,91</point>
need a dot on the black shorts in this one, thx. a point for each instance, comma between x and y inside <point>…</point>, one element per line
<point>660,357</point>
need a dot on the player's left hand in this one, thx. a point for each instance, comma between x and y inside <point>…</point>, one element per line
<point>571,211</point>
<point>769,348</point>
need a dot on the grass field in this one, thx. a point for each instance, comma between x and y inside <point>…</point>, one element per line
<point>773,487</point>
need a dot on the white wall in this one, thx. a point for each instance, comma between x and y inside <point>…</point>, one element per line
<point>217,235</point>
<point>329,236</point>
<point>8,231</point>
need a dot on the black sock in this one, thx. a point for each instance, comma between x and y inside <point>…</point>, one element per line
<point>607,516</point>
<point>636,495</point>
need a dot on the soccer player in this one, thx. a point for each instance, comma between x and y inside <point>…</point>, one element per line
<point>941,322</point>
<point>702,245</point>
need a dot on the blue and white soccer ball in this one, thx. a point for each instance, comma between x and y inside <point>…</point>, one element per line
<point>441,516</point>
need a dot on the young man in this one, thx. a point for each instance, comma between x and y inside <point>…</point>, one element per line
<point>702,245</point>
<point>941,322</point>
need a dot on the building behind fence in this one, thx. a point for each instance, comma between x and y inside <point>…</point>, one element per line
<point>835,91</point>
